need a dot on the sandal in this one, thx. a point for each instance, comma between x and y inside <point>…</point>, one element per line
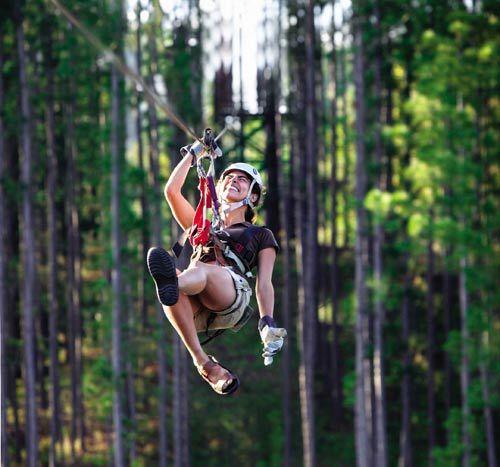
<point>221,386</point>
<point>162,269</point>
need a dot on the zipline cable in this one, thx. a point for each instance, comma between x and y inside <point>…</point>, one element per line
<point>127,71</point>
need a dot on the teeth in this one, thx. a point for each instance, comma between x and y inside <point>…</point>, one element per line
<point>235,189</point>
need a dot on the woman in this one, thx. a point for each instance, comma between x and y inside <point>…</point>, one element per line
<point>213,292</point>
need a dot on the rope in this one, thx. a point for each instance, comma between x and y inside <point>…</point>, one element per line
<point>126,70</point>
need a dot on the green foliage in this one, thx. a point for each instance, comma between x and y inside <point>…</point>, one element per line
<point>451,454</point>
<point>440,178</point>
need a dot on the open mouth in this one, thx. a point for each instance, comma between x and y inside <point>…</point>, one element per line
<point>234,189</point>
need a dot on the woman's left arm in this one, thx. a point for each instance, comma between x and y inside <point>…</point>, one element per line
<point>272,337</point>
<point>264,289</point>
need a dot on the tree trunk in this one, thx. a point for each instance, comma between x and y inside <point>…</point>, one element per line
<point>481,224</point>
<point>487,410</point>
<point>309,254</point>
<point>345,144</point>
<point>464,322</point>
<point>431,346</point>
<point>336,379</point>
<point>286,314</point>
<point>73,274</point>
<point>28,238</point>
<point>154,163</point>
<point>378,241</point>
<point>116,246</point>
<point>447,329</point>
<point>3,276</point>
<point>464,362</point>
<point>184,396</point>
<point>284,236</point>
<point>140,155</point>
<point>53,305</point>
<point>406,454</point>
<point>405,457</point>
<point>364,455</point>
<point>12,245</point>
<point>271,160</point>
<point>130,372</point>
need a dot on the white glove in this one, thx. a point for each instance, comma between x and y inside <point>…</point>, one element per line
<point>197,150</point>
<point>272,337</point>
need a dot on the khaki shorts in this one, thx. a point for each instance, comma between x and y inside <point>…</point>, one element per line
<point>236,315</point>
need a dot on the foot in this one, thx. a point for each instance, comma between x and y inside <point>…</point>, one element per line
<point>162,269</point>
<point>219,377</point>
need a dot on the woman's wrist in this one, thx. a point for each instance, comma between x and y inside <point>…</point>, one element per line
<point>266,320</point>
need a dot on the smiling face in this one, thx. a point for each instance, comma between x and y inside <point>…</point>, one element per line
<point>234,186</point>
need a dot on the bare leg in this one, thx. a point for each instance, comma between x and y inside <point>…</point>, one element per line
<point>180,316</point>
<point>213,285</point>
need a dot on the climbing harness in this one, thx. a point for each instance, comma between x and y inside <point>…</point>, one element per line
<point>202,226</point>
<point>205,230</point>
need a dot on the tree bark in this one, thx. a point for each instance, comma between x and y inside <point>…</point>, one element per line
<point>73,264</point>
<point>336,379</point>
<point>464,362</point>
<point>447,329</point>
<point>345,144</point>
<point>364,454</point>
<point>487,410</point>
<point>13,323</point>
<point>405,457</point>
<point>130,372</point>
<point>53,305</point>
<point>116,246</point>
<point>464,322</point>
<point>28,238</point>
<point>378,241</point>
<point>154,163</point>
<point>309,254</point>
<point>431,346</point>
<point>3,275</point>
<point>406,454</point>
<point>272,203</point>
<point>286,314</point>
<point>140,155</point>
<point>284,236</point>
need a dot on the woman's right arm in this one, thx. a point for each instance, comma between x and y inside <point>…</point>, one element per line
<point>181,209</point>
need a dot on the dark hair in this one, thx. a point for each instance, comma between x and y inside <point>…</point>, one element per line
<point>250,215</point>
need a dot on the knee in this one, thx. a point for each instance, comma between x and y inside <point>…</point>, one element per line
<point>197,265</point>
<point>198,268</point>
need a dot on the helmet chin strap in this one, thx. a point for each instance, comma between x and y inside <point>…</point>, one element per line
<point>226,207</point>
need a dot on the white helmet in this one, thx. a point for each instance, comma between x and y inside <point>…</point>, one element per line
<point>253,173</point>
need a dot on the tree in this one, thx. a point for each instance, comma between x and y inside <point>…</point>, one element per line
<point>73,264</point>
<point>336,380</point>
<point>364,454</point>
<point>50,132</point>
<point>29,267</point>
<point>381,456</point>
<point>3,275</point>
<point>154,165</point>
<point>308,308</point>
<point>116,244</point>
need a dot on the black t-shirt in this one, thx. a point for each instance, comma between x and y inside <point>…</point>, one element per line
<point>260,238</point>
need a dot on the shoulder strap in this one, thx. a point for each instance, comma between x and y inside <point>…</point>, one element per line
<point>246,237</point>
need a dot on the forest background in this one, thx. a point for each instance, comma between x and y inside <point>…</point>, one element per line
<point>374,123</point>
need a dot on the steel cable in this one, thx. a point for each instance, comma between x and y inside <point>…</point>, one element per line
<point>127,71</point>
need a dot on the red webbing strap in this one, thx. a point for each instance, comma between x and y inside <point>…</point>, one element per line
<point>200,231</point>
